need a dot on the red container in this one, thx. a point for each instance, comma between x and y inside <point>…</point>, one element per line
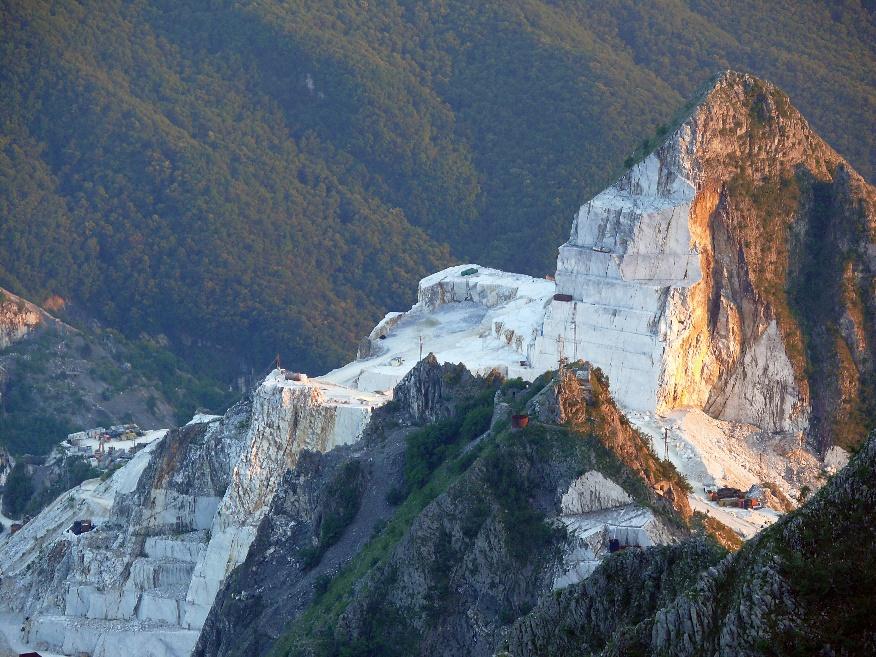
<point>519,421</point>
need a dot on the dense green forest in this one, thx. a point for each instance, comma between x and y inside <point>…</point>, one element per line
<point>253,177</point>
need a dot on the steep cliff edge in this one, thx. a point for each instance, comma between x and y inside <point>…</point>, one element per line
<point>287,418</point>
<point>483,521</point>
<point>168,526</point>
<point>730,270</point>
<point>327,508</point>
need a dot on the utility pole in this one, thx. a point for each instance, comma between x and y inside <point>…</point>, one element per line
<point>561,345</point>
<point>575,330</point>
<point>665,444</point>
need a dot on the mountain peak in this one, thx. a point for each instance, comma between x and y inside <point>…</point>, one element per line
<point>739,124</point>
<point>738,236</point>
<point>739,84</point>
<point>733,78</point>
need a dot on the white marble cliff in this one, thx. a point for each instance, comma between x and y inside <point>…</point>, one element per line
<point>653,287</point>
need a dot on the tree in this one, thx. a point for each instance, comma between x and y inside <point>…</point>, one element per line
<point>18,491</point>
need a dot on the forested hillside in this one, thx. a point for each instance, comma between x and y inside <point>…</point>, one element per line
<point>254,177</point>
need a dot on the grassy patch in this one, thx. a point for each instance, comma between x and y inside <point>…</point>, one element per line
<point>715,530</point>
<point>429,447</point>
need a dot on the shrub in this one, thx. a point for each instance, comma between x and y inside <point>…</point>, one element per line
<point>527,532</point>
<point>342,499</point>
<point>18,491</point>
<point>513,384</point>
<point>396,495</point>
<point>321,584</point>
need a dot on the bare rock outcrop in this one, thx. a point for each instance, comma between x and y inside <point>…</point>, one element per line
<point>19,318</point>
<point>431,391</point>
<point>724,269</point>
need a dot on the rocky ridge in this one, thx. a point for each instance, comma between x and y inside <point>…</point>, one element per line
<point>292,556</point>
<point>681,277</point>
<point>508,517</point>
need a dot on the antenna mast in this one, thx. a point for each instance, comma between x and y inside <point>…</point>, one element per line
<point>561,347</point>
<point>575,330</point>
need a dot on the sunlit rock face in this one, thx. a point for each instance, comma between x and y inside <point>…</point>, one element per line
<point>629,247</point>
<point>665,282</point>
<point>287,417</point>
<point>678,281</point>
<point>18,318</point>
